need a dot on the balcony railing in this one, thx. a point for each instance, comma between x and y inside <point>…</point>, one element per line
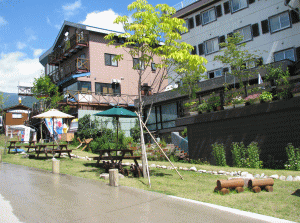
<point>77,66</point>
<point>94,98</point>
<point>184,4</point>
<point>70,46</point>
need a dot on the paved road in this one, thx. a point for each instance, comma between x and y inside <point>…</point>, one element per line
<point>30,195</point>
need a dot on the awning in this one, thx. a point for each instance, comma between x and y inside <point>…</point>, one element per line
<point>72,77</point>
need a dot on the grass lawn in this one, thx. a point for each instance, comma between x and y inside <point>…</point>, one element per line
<point>196,186</point>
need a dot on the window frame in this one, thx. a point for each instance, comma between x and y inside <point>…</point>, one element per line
<point>292,48</point>
<point>231,6</point>
<point>202,20</point>
<point>278,30</point>
<point>142,65</point>
<point>108,84</point>
<point>205,48</point>
<point>110,55</point>
<point>251,31</point>
<point>153,68</point>
<point>17,115</point>
<point>208,72</point>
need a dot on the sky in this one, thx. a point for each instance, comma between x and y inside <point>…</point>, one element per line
<point>28,28</point>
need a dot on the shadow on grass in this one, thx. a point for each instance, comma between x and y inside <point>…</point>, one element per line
<point>159,174</point>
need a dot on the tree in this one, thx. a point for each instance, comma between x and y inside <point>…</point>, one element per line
<point>45,90</point>
<point>153,32</point>
<point>238,59</point>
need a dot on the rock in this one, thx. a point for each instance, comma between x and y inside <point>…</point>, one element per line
<point>289,178</point>
<point>235,173</point>
<point>297,178</point>
<point>249,175</point>
<point>180,168</point>
<point>209,171</point>
<point>221,172</point>
<point>266,176</point>
<point>153,165</point>
<point>282,177</point>
<point>163,167</point>
<point>244,174</point>
<point>274,176</point>
<point>262,175</point>
<point>22,153</point>
<point>215,172</point>
<point>199,171</point>
<point>121,176</point>
<point>203,171</point>
<point>227,173</point>
<point>169,168</point>
<point>104,176</point>
<point>257,176</point>
<point>239,173</point>
<point>157,166</point>
<point>246,180</point>
<point>185,168</point>
<point>193,169</point>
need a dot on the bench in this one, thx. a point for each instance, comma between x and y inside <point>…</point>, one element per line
<point>31,146</point>
<point>43,149</point>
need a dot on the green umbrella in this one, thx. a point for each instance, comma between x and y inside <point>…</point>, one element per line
<point>117,112</point>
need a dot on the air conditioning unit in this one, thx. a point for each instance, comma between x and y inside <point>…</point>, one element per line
<point>169,88</point>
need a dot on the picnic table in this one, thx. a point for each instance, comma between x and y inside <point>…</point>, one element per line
<point>12,145</point>
<point>31,145</point>
<point>119,155</point>
<point>44,148</point>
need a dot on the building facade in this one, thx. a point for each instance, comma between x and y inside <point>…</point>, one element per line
<point>270,29</point>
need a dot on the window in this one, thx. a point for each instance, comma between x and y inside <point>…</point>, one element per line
<point>286,54</point>
<point>215,73</point>
<point>198,20</point>
<point>211,46</point>
<point>194,51</point>
<point>246,33</point>
<point>279,22</point>
<point>109,60</point>
<point>153,67</point>
<point>16,115</point>
<point>186,26</point>
<point>237,5</point>
<point>191,23</point>
<point>208,16</point>
<point>84,86</point>
<point>105,88</point>
<point>137,64</point>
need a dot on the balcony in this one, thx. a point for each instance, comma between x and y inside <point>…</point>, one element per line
<point>69,47</point>
<point>96,99</point>
<point>80,65</point>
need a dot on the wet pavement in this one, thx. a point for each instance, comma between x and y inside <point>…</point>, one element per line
<point>40,196</point>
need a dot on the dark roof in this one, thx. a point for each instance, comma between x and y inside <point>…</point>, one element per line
<point>17,107</point>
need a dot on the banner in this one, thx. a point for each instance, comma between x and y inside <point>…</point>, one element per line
<point>58,125</point>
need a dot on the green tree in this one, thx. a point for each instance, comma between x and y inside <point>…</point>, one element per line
<point>45,90</point>
<point>152,31</point>
<point>238,59</point>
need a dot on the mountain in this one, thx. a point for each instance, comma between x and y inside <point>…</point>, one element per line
<point>13,99</point>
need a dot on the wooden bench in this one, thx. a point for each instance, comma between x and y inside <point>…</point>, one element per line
<point>43,149</point>
<point>31,146</point>
<point>12,145</point>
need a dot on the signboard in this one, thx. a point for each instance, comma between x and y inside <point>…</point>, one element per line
<point>58,126</point>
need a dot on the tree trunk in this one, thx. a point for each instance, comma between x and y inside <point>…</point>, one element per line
<point>140,111</point>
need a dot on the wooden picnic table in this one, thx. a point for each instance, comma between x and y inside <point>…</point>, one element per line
<point>116,157</point>
<point>31,145</point>
<point>42,148</point>
<point>12,145</point>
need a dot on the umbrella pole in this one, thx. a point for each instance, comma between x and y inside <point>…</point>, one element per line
<point>117,131</point>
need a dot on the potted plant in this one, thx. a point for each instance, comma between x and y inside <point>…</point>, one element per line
<point>265,97</point>
<point>238,101</point>
<point>214,101</point>
<point>192,106</point>
<point>203,107</point>
<point>252,99</point>
<point>296,90</point>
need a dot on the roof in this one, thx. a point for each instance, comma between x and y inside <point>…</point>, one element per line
<point>195,6</point>
<point>17,107</point>
<point>43,57</point>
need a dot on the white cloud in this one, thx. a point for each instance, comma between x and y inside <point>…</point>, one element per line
<point>3,22</point>
<point>49,22</point>
<point>104,19</point>
<point>30,34</point>
<point>37,52</point>
<point>21,46</point>
<point>70,9</point>
<point>15,67</point>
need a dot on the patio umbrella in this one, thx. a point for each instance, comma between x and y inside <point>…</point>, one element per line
<point>53,113</point>
<point>117,112</point>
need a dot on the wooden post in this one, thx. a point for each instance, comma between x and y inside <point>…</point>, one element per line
<point>261,182</point>
<point>269,188</point>
<point>256,189</point>
<point>239,189</point>
<point>114,177</point>
<point>55,166</point>
<point>230,183</point>
<point>160,148</point>
<point>224,191</point>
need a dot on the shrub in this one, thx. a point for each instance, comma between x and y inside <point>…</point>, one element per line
<point>266,96</point>
<point>252,98</point>
<point>218,152</point>
<point>246,157</point>
<point>253,156</point>
<point>293,155</point>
